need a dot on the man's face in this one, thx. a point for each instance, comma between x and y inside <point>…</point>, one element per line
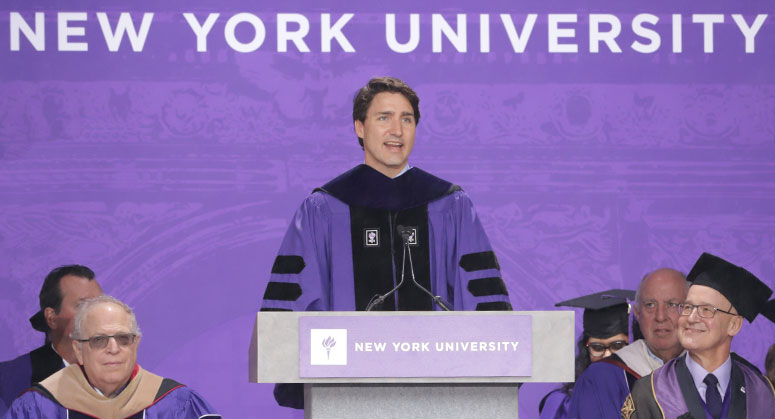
<point>387,132</point>
<point>107,368</point>
<point>74,289</point>
<point>657,312</point>
<point>699,334</point>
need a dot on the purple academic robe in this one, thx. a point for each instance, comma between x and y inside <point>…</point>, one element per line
<point>180,403</point>
<point>17,375</point>
<point>670,392</point>
<point>343,248</point>
<point>599,392</point>
<point>555,405</point>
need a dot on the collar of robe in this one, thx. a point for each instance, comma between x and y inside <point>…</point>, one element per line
<point>70,388</point>
<point>363,186</point>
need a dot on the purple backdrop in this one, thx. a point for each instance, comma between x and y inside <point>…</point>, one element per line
<point>173,172</point>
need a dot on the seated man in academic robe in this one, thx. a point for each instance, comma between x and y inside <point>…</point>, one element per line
<point>63,289</point>
<point>107,382</point>
<point>602,388</point>
<point>355,239</point>
<point>709,381</point>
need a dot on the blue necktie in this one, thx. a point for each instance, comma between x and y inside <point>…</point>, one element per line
<point>712,396</point>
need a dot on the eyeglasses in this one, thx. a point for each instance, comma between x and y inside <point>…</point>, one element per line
<point>651,306</point>
<point>703,310</point>
<point>597,348</point>
<point>101,341</point>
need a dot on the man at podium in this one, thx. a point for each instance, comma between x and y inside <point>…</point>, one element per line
<point>385,235</point>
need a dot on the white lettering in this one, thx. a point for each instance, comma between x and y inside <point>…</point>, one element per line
<point>297,37</point>
<point>395,346</point>
<point>749,32</point>
<point>125,25</point>
<point>65,31</point>
<point>677,34</point>
<point>440,26</point>
<point>650,34</point>
<point>707,28</point>
<point>609,37</point>
<point>414,33</point>
<point>35,37</point>
<point>484,33</point>
<point>519,42</point>
<point>328,32</point>
<point>555,33</point>
<point>201,31</point>
<point>258,27</point>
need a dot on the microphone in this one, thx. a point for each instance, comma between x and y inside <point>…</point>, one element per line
<point>379,299</point>
<point>406,234</point>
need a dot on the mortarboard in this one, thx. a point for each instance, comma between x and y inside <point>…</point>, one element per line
<point>605,313</point>
<point>746,292</point>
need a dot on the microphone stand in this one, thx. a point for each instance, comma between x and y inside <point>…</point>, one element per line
<point>436,298</point>
<point>379,299</point>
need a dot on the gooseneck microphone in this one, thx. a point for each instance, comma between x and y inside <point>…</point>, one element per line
<point>379,299</point>
<point>406,234</point>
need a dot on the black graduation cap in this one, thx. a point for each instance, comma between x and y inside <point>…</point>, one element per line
<point>605,313</point>
<point>746,292</point>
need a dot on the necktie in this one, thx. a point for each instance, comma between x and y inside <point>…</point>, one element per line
<point>712,396</point>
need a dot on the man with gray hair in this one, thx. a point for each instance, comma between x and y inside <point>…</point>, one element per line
<point>601,390</point>
<point>107,382</point>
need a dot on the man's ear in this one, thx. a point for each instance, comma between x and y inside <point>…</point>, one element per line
<point>51,319</point>
<point>78,352</point>
<point>735,325</point>
<point>358,128</point>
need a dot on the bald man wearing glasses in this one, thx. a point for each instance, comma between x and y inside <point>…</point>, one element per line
<point>107,382</point>
<point>709,381</point>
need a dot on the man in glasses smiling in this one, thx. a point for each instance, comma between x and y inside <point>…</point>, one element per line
<point>709,381</point>
<point>107,382</point>
<point>603,387</point>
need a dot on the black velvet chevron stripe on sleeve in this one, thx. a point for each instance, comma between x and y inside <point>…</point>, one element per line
<point>288,264</point>
<point>494,306</point>
<point>284,291</point>
<point>479,261</point>
<point>487,286</point>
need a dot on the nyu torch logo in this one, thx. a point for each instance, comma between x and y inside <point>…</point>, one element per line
<point>328,347</point>
<point>328,344</point>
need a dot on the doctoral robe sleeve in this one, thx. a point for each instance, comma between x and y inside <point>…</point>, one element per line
<point>478,284</point>
<point>14,379</point>
<point>301,275</point>
<point>182,403</point>
<point>33,405</point>
<point>555,405</point>
<point>599,393</point>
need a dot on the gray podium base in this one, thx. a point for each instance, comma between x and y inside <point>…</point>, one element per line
<point>427,401</point>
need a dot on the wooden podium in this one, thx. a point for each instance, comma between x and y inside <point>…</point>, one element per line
<point>275,358</point>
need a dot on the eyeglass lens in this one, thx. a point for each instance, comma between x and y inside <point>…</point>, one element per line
<point>613,346</point>
<point>101,341</point>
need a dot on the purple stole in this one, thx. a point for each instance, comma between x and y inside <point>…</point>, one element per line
<point>757,394</point>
